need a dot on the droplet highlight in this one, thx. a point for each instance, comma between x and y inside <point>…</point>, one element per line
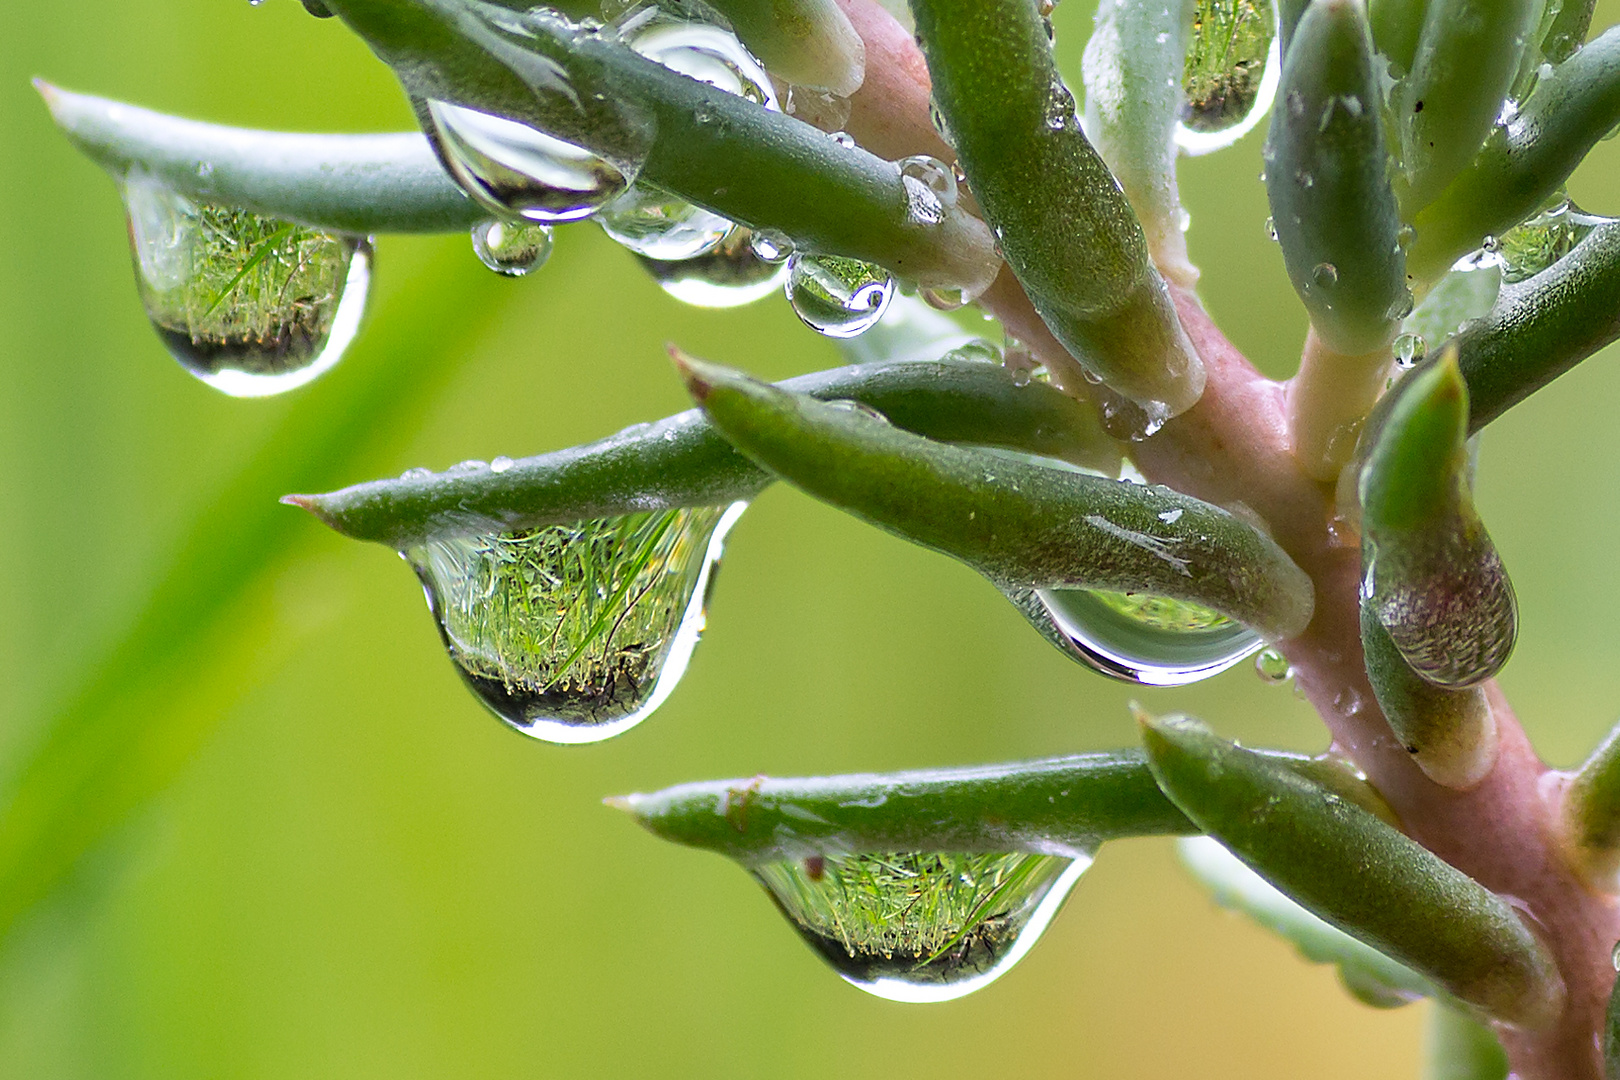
<point>576,633</point>
<point>1146,639</point>
<point>251,305</point>
<point>837,296</point>
<point>512,249</point>
<point>921,927</point>
<point>1230,75</point>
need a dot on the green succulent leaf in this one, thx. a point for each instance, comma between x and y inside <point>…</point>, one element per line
<point>714,149</point>
<point>1017,523</point>
<point>344,183</point>
<point>1064,224</point>
<point>1591,813</point>
<point>1357,873</point>
<point>1525,161</point>
<point>1568,31</point>
<point>1435,580</point>
<point>1458,1047</point>
<point>1397,26</point>
<point>684,461</point>
<point>1236,886</point>
<point>1327,179</point>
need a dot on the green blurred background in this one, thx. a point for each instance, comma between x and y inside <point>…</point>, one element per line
<point>362,874</point>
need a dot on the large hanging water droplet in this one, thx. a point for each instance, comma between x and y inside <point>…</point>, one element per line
<point>837,296</point>
<point>1233,65</point>
<point>921,928</point>
<point>731,275</point>
<point>575,633</point>
<point>1536,244</point>
<point>250,305</point>
<point>1146,639</point>
<point>513,170</point>
<point>512,248</point>
<point>660,226</point>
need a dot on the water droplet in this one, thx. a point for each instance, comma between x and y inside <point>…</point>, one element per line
<point>660,226</point>
<point>861,408</point>
<point>1230,74</point>
<point>250,305</point>
<point>1272,667</point>
<point>1022,376</point>
<point>731,275</point>
<point>921,927</point>
<point>1490,243</point>
<point>1325,275</point>
<point>843,138</point>
<point>941,126</point>
<point>945,299</point>
<point>837,296</point>
<point>930,189</point>
<point>1614,956</point>
<point>771,246</point>
<point>575,633</point>
<point>501,464</point>
<point>513,170</point>
<point>512,248</point>
<point>1146,639</point>
<point>1271,229</point>
<point>1536,244</point>
<point>1401,306</point>
<point>1410,349</point>
<point>417,473</point>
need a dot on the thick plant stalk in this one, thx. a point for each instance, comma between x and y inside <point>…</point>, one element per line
<point>1017,524</point>
<point>1435,581</point>
<point>684,461</point>
<point>1357,873</point>
<point>1062,221</point>
<point>1525,161</point>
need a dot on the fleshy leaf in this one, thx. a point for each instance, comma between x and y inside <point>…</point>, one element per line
<point>1591,814</point>
<point>1458,1047</point>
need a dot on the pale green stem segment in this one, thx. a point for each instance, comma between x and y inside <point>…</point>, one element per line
<point>1450,734</point>
<point>361,184</point>
<point>1458,1047</point>
<point>714,149</point>
<point>1526,160</point>
<point>1132,69</point>
<point>1466,60</point>
<point>1591,814</point>
<point>1541,327</point>
<point>1397,25</point>
<point>1357,873</point>
<point>1368,974</point>
<point>1328,402</point>
<point>1436,583</point>
<point>1568,31</point>
<point>1327,178</point>
<point>1019,524</point>
<point>1059,806</point>
<point>1064,805</point>
<point>1064,225</point>
<point>684,461</point>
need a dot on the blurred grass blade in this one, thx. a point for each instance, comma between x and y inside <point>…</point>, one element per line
<point>1357,873</point>
<point>1014,522</point>
<point>124,735</point>
<point>1451,734</point>
<point>1367,972</point>
<point>1435,580</point>
<point>1526,161</point>
<point>360,184</point>
<point>1132,67</point>
<point>1541,327</point>
<point>1065,805</point>
<point>1465,64</point>
<point>1458,1047</point>
<point>1062,221</point>
<point>1591,814</point>
<point>684,461</point>
<point>714,149</point>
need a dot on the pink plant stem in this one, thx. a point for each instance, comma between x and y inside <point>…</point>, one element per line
<point>1234,447</point>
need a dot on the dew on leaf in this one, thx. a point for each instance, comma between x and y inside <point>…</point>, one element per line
<point>1146,639</point>
<point>837,296</point>
<point>251,305</point>
<point>921,927</point>
<point>575,633</point>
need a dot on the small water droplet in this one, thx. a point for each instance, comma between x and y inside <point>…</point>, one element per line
<point>1230,73</point>
<point>250,305</point>
<point>731,275</point>
<point>1614,956</point>
<point>941,299</point>
<point>921,927</point>
<point>1490,244</point>
<point>501,464</point>
<point>1147,639</point>
<point>1022,376</point>
<point>771,246</point>
<point>1401,306</point>
<point>930,189</point>
<point>575,633</point>
<point>942,126</point>
<point>512,248</point>
<point>1410,349</point>
<point>1325,275</point>
<point>1271,229</point>
<point>1272,667</point>
<point>861,408</point>
<point>837,296</point>
<point>417,473</point>
<point>843,138</point>
<point>471,465</point>
<point>514,170</point>
<point>1537,243</point>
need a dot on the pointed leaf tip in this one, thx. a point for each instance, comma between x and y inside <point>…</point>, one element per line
<point>621,802</point>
